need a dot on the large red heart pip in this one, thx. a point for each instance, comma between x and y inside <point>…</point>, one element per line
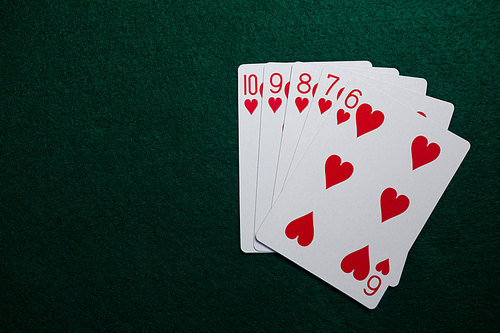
<point>421,153</point>
<point>392,205</point>
<point>251,105</point>
<point>324,105</point>
<point>301,103</point>
<point>359,262</point>
<point>274,103</point>
<point>366,120</point>
<point>302,229</point>
<point>337,172</point>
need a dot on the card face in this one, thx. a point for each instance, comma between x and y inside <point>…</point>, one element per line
<point>323,93</point>
<point>303,84</point>
<point>436,110</point>
<point>249,114</point>
<point>362,193</point>
<point>275,94</point>
<point>331,83</point>
<point>275,106</point>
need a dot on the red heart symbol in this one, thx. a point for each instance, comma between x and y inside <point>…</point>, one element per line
<point>335,172</point>
<point>314,89</point>
<point>324,105</point>
<point>302,228</point>
<point>359,262</point>
<point>391,205</point>
<point>421,113</point>
<point>383,267</point>
<point>342,116</point>
<point>251,105</point>
<point>421,153</point>
<point>261,89</point>
<point>340,92</point>
<point>287,88</point>
<point>274,103</point>
<point>366,120</point>
<point>301,103</point>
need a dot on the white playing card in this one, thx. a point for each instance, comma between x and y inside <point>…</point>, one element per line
<point>343,214</point>
<point>303,86</point>
<point>249,112</point>
<point>437,110</point>
<point>275,94</point>
<point>303,82</point>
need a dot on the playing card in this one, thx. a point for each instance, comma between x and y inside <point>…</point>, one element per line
<point>249,106</point>
<point>304,86</point>
<point>362,192</point>
<point>275,94</point>
<point>276,84</point>
<point>332,84</point>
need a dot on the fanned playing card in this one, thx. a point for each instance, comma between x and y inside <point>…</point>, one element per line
<point>249,106</point>
<point>362,192</point>
<point>434,109</point>
<point>341,165</point>
<point>276,89</point>
<point>275,95</point>
<point>331,84</point>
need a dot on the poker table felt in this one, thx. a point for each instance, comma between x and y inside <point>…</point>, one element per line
<point>119,165</point>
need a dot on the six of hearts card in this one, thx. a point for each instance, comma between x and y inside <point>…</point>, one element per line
<point>341,165</point>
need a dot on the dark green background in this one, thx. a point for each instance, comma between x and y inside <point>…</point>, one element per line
<point>119,165</point>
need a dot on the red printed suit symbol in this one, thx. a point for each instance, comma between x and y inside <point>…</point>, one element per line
<point>392,205</point>
<point>301,103</point>
<point>287,89</point>
<point>251,105</point>
<point>274,103</point>
<point>366,120</point>
<point>324,105</point>
<point>314,89</point>
<point>342,116</point>
<point>383,267</point>
<point>337,172</point>
<point>423,153</point>
<point>340,92</point>
<point>357,262</point>
<point>301,228</point>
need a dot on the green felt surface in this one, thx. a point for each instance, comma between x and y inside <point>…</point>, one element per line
<point>119,165</point>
